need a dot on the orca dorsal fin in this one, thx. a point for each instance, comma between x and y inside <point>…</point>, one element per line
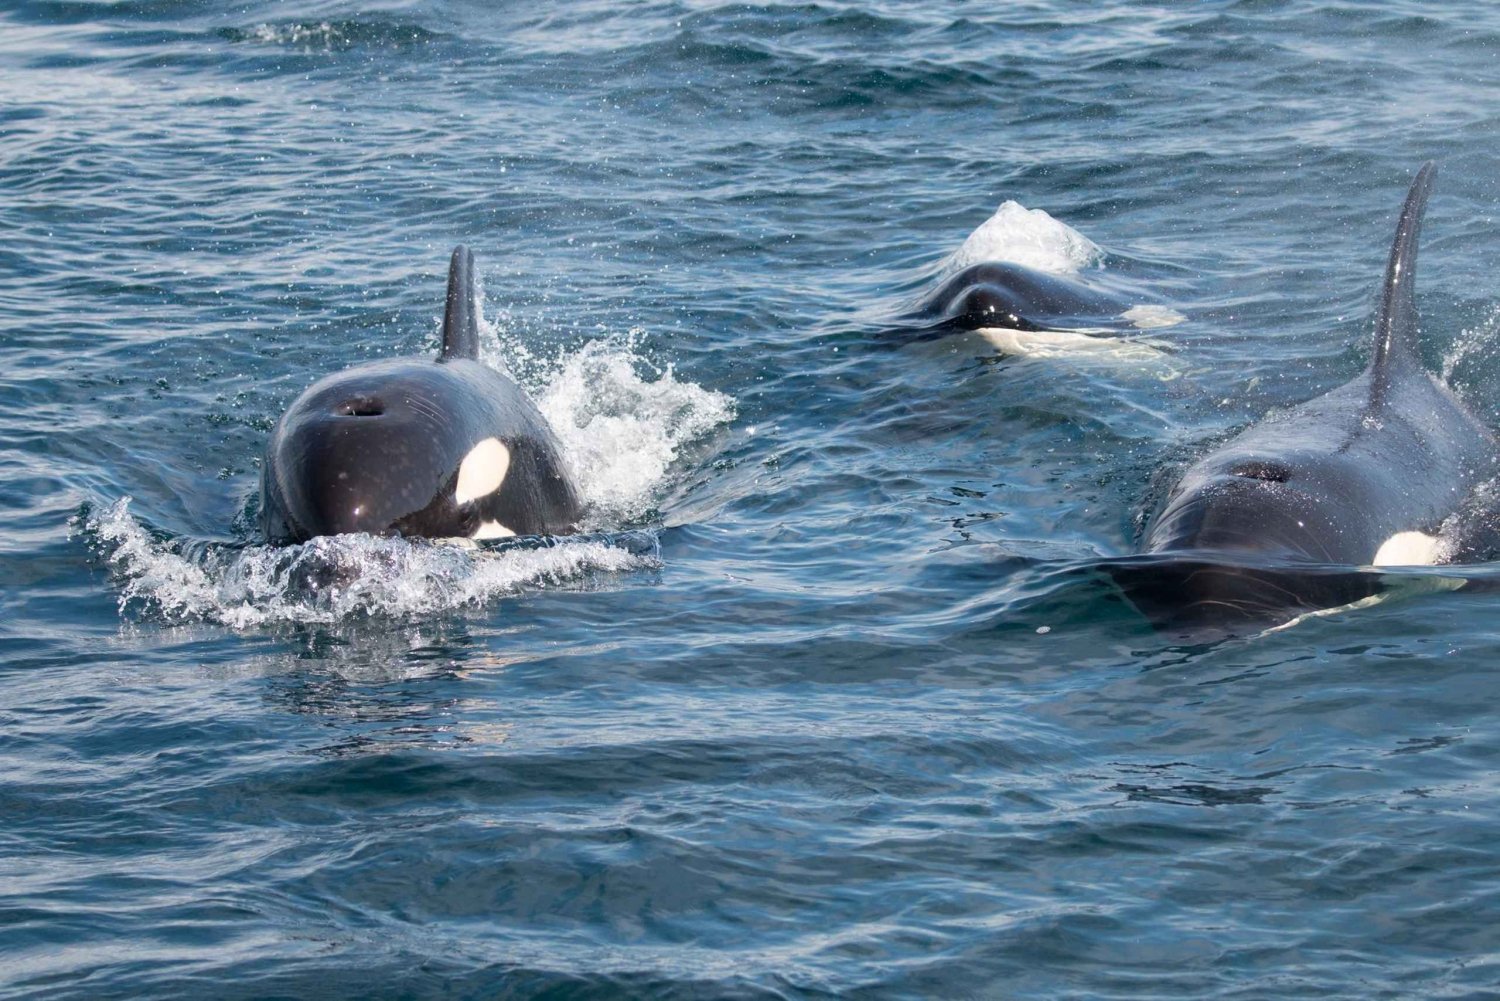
<point>1396,321</point>
<point>461,317</point>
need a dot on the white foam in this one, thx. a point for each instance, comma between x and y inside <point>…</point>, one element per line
<point>1151,317</point>
<point>622,420</point>
<point>1029,237</point>
<point>321,34</point>
<point>1471,523</point>
<point>1474,348</point>
<point>334,578</point>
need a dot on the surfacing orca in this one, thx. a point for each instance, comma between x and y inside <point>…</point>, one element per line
<point>1023,311</point>
<point>1281,517</point>
<point>1015,297</point>
<point>442,448</point>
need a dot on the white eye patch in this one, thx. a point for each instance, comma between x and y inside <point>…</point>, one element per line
<point>482,471</point>
<point>1407,549</point>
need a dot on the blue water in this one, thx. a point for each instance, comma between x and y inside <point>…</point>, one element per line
<point>829,701</point>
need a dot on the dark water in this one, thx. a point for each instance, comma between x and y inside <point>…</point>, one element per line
<point>830,701</point>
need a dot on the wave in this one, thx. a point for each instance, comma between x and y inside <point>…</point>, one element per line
<point>1028,237</point>
<point>331,35</point>
<point>335,578</point>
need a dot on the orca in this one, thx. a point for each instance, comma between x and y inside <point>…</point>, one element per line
<point>1015,297</point>
<point>1022,311</point>
<point>1292,514</point>
<point>437,449</point>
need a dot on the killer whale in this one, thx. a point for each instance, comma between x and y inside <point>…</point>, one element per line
<point>1015,297</point>
<point>1018,282</point>
<point>1022,311</point>
<point>1281,518</point>
<point>437,448</point>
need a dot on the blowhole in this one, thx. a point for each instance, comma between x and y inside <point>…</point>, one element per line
<point>362,407</point>
<point>1268,472</point>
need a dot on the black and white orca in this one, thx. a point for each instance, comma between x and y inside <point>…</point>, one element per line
<point>438,449</point>
<point>1020,310</point>
<point>1003,294</point>
<point>1281,517</point>
<point>1023,282</point>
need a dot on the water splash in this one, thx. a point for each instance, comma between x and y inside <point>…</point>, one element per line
<point>336,578</point>
<point>1028,237</point>
<point>330,36</point>
<point>1473,350</point>
<point>1471,534</point>
<point>622,420</point>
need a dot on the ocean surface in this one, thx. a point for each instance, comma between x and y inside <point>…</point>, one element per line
<point>831,699</point>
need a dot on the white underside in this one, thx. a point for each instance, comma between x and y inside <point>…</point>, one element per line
<point>1404,549</point>
<point>487,530</point>
<point>1323,613</point>
<point>1409,587</point>
<point>1066,343</point>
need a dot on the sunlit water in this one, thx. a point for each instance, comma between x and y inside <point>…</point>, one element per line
<point>831,697</point>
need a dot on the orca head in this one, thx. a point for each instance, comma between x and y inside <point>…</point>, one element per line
<point>1253,536</point>
<point>1284,516</point>
<point>1203,596</point>
<point>412,447</point>
<point>1297,505</point>
<point>1003,294</point>
<point>374,449</point>
<point>988,305</point>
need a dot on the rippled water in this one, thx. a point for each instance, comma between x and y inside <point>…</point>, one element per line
<point>832,697</point>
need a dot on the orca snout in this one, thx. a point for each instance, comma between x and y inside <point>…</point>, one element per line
<point>356,462</point>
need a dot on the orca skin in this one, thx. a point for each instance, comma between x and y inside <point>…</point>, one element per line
<point>440,448</point>
<point>1015,297</point>
<point>1280,518</point>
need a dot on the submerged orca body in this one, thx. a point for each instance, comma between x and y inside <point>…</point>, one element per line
<point>442,448</point>
<point>1014,297</point>
<point>1278,519</point>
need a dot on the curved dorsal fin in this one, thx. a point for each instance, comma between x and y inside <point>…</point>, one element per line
<point>461,317</point>
<point>1396,321</point>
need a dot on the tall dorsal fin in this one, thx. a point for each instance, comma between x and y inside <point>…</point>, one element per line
<point>461,318</point>
<point>1396,321</point>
